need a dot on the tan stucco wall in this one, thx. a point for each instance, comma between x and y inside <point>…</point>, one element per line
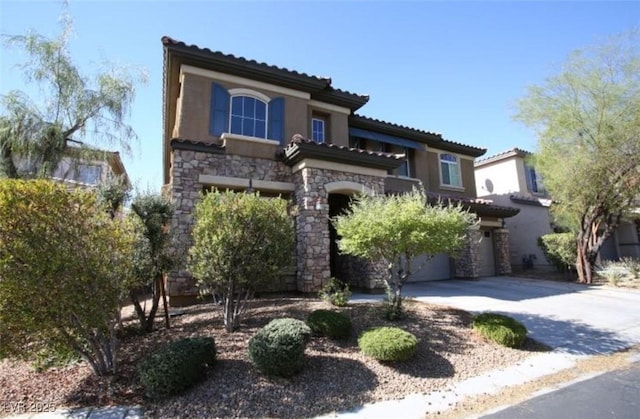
<point>192,120</point>
<point>467,173</point>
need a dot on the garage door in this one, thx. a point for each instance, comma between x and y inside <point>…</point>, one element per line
<point>436,268</point>
<point>487,260</point>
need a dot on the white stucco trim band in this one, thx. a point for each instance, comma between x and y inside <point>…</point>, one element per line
<point>242,81</point>
<point>238,183</point>
<point>338,167</point>
<point>237,137</point>
<point>349,187</point>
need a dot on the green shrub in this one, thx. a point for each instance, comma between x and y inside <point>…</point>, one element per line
<point>559,249</point>
<point>329,323</point>
<point>176,367</point>
<point>500,329</point>
<point>335,292</point>
<point>278,348</point>
<point>632,265</point>
<point>388,344</point>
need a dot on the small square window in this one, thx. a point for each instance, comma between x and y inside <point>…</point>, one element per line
<point>89,174</point>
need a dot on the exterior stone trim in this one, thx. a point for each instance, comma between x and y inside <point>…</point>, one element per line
<point>502,251</point>
<point>467,261</point>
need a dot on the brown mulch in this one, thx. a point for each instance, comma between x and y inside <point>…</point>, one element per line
<point>337,376</point>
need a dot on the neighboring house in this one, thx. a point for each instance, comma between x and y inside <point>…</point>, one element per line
<point>233,123</point>
<point>508,179</point>
<point>81,167</point>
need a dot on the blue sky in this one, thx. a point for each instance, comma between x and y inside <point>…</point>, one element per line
<point>456,68</point>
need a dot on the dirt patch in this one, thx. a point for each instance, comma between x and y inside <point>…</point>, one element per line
<point>337,377</point>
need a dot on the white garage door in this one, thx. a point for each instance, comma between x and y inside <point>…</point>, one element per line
<point>438,267</point>
<point>487,260</point>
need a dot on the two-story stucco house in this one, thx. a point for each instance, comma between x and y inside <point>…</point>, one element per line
<point>508,179</point>
<point>232,123</point>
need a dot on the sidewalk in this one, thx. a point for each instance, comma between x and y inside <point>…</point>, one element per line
<point>114,412</point>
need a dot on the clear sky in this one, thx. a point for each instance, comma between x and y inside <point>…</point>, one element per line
<point>456,68</point>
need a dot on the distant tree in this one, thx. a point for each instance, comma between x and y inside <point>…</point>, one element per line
<point>74,106</point>
<point>588,127</point>
<point>395,229</point>
<point>63,269</point>
<point>240,241</point>
<point>113,193</point>
<point>154,255</point>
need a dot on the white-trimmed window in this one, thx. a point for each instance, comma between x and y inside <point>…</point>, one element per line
<point>248,116</point>
<point>450,170</point>
<point>318,130</point>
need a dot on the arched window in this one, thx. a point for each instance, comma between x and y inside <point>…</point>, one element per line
<point>450,170</point>
<point>248,116</point>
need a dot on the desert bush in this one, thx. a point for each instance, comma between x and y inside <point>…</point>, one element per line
<point>329,323</point>
<point>278,348</point>
<point>501,329</point>
<point>633,266</point>
<point>613,271</point>
<point>176,367</point>
<point>388,344</point>
<point>335,292</point>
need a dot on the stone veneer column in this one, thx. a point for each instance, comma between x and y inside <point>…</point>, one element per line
<point>501,246</point>
<point>312,231</point>
<point>467,262</point>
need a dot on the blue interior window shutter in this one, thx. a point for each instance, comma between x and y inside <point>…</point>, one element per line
<point>276,120</point>
<point>219,118</point>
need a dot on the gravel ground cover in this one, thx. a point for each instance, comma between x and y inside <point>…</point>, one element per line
<point>337,376</point>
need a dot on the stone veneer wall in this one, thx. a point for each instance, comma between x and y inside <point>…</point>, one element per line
<point>312,224</point>
<point>467,262</point>
<point>185,190</point>
<point>501,243</point>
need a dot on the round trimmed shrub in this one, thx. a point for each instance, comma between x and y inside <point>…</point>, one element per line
<point>388,344</point>
<point>501,329</point>
<point>176,367</point>
<point>329,323</point>
<point>278,348</point>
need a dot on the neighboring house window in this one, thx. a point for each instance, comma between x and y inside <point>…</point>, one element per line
<point>251,114</point>
<point>88,173</point>
<point>534,181</point>
<point>317,130</point>
<point>405,168</point>
<point>450,170</point>
<point>248,116</point>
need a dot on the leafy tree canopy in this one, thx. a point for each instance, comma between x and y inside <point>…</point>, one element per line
<point>587,120</point>
<point>71,105</point>
<point>395,229</point>
<point>240,241</point>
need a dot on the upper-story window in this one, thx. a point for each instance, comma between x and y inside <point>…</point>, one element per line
<point>318,130</point>
<point>534,181</point>
<point>405,168</point>
<point>246,112</point>
<point>89,173</point>
<point>450,170</point>
<point>248,116</point>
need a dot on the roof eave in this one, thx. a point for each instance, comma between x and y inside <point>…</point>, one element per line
<point>296,152</point>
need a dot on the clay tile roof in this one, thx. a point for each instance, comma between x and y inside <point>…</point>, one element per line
<point>168,41</point>
<point>503,155</point>
<point>298,139</point>
<point>432,139</point>
<point>478,206</point>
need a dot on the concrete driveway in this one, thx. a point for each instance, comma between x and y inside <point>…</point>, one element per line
<point>575,319</point>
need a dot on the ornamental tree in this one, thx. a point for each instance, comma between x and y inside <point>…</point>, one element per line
<point>588,126</point>
<point>154,256</point>
<point>63,269</point>
<point>395,229</point>
<point>75,105</point>
<point>240,241</point>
